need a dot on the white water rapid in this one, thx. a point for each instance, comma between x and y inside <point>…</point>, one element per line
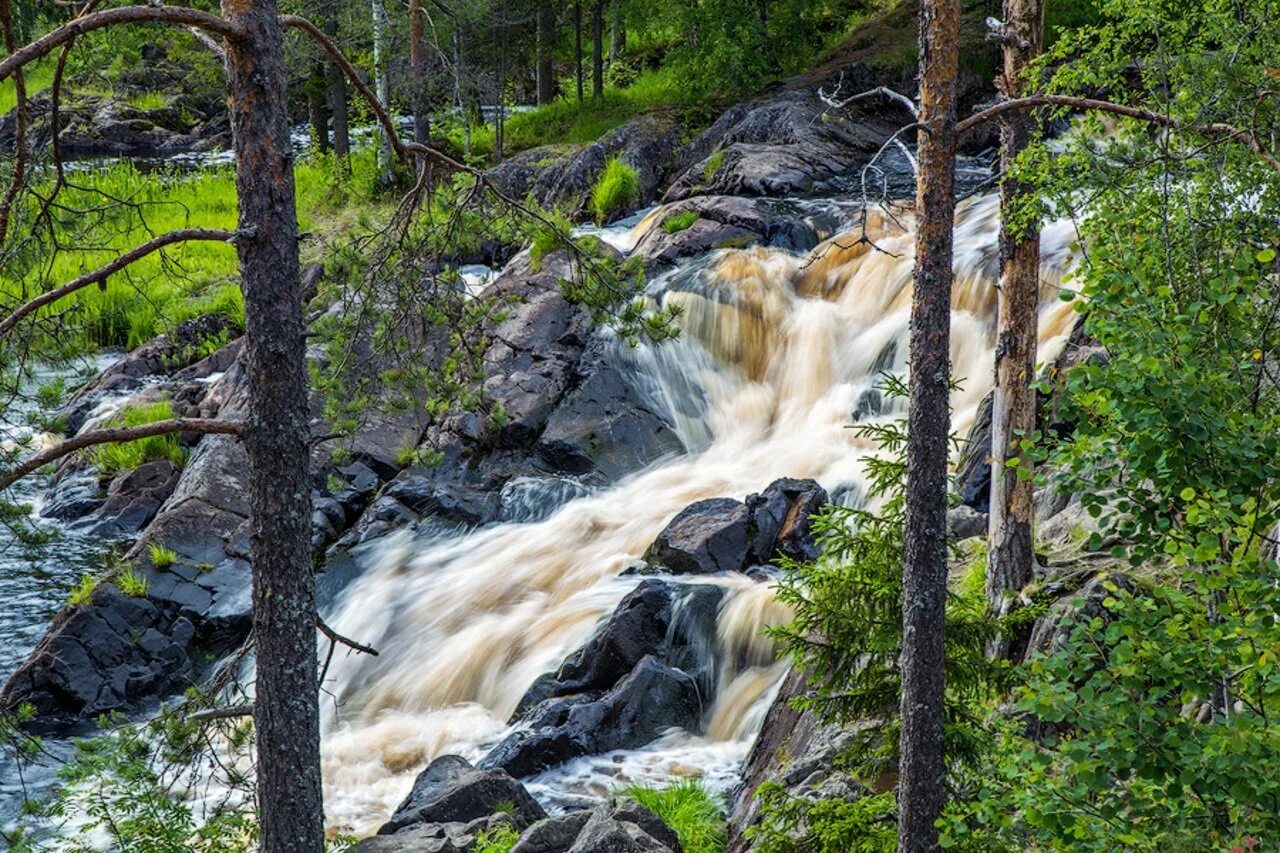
<point>776,350</point>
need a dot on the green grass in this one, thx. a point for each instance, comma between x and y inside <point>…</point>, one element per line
<point>714,163</point>
<point>39,76</point>
<point>688,808</point>
<point>125,456</point>
<point>161,557</point>
<point>615,191</point>
<point>681,221</point>
<point>82,592</point>
<point>187,279</point>
<point>131,583</point>
<point>149,101</point>
<point>499,841</point>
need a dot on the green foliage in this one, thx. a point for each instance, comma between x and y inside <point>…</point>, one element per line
<point>847,634</point>
<point>499,841</point>
<point>714,164</point>
<point>615,190</point>
<point>125,456</point>
<point>161,557</point>
<point>149,101</point>
<point>132,583</point>
<point>696,815</point>
<point>679,221</point>
<point>792,824</point>
<point>82,592</point>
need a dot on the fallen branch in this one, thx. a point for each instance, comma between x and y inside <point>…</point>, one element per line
<point>174,15</point>
<point>335,637</point>
<point>227,713</point>
<point>1231,132</point>
<point>207,426</point>
<point>103,273</point>
<point>879,91</point>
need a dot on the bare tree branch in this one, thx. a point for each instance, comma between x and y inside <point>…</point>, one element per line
<point>227,713</point>
<point>207,426</point>
<point>101,274</point>
<point>335,637</point>
<point>175,15</point>
<point>1230,132</point>
<point>830,98</point>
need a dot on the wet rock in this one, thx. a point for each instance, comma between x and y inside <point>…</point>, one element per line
<point>672,622</point>
<point>617,825</point>
<point>133,499</point>
<point>973,474</point>
<point>651,700</point>
<point>72,497</point>
<point>780,145</point>
<point>965,522</point>
<point>723,222</point>
<point>709,536</point>
<point>450,837</point>
<point>450,790</point>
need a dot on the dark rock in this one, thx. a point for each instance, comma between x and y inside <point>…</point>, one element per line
<point>779,519</point>
<point>617,825</point>
<point>73,497</point>
<point>709,536</point>
<point>723,222</point>
<point>133,499</point>
<point>552,835</point>
<point>448,837</point>
<point>451,790</point>
<point>973,475</point>
<point>652,699</point>
<point>965,522</point>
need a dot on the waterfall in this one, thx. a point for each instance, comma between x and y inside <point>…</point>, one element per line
<point>778,352</point>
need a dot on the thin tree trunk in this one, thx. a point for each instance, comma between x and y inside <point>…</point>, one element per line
<point>577,47</point>
<point>617,33</point>
<point>920,785</point>
<point>597,49</point>
<point>545,70</point>
<point>1013,412</point>
<point>318,108</point>
<point>286,708</point>
<point>382,82</point>
<point>418,73</point>
<point>337,91</point>
<point>500,127</point>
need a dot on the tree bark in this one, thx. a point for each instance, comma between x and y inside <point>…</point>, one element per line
<point>337,90</point>
<point>418,72</point>
<point>382,82</point>
<point>1013,411</point>
<point>920,784</point>
<point>597,49</point>
<point>318,108</point>
<point>617,33</point>
<point>275,434</point>
<point>545,69</point>
<point>577,48</point>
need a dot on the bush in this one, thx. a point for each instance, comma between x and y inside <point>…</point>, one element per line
<point>678,222</point>
<point>616,190</point>
<point>696,816</point>
<point>125,456</point>
<point>802,825</point>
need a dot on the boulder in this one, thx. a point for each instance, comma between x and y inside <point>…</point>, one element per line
<point>723,222</point>
<point>973,474</point>
<point>450,837</point>
<point>450,790</point>
<point>617,825</point>
<point>133,499</point>
<point>710,536</point>
<point>651,700</point>
<point>965,522</point>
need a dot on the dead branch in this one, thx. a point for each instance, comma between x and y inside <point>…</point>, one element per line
<point>182,235</point>
<point>174,15</point>
<point>829,98</point>
<point>335,637</point>
<point>227,713</point>
<point>1230,132</point>
<point>206,426</point>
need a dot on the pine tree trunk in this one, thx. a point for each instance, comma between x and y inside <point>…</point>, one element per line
<point>286,707</point>
<point>617,33</point>
<point>337,90</point>
<point>597,50</point>
<point>318,108</point>
<point>545,70</point>
<point>1013,411</point>
<point>418,72</point>
<point>920,785</point>
<point>577,46</point>
<point>382,82</point>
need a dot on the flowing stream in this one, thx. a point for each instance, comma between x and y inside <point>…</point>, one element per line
<point>778,352</point>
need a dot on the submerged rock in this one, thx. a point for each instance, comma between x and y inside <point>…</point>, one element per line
<point>722,222</point>
<point>709,536</point>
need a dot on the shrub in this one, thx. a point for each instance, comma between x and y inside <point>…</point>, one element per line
<point>132,583</point>
<point>124,456</point>
<point>161,557</point>
<point>812,825</point>
<point>615,190</point>
<point>696,815</point>
<point>680,221</point>
<point>82,592</point>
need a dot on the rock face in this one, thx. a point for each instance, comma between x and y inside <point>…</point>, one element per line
<point>619,826</point>
<point>781,145</point>
<point>98,125</point>
<point>723,222</point>
<point>563,177</point>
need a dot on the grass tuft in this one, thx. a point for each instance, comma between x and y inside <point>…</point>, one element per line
<point>82,592</point>
<point>696,815</point>
<point>132,583</point>
<point>615,190</point>
<point>161,557</point>
<point>501,840</point>
<point>125,456</point>
<point>681,221</point>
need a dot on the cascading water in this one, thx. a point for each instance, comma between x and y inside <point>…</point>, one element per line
<point>778,352</point>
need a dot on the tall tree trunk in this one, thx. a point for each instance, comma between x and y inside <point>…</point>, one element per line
<point>920,784</point>
<point>577,46</point>
<point>382,82</point>
<point>1013,411</point>
<point>337,90</point>
<point>276,432</point>
<point>546,23</point>
<point>418,73</point>
<point>617,33</point>
<point>500,127</point>
<point>597,49</point>
<point>318,108</point>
